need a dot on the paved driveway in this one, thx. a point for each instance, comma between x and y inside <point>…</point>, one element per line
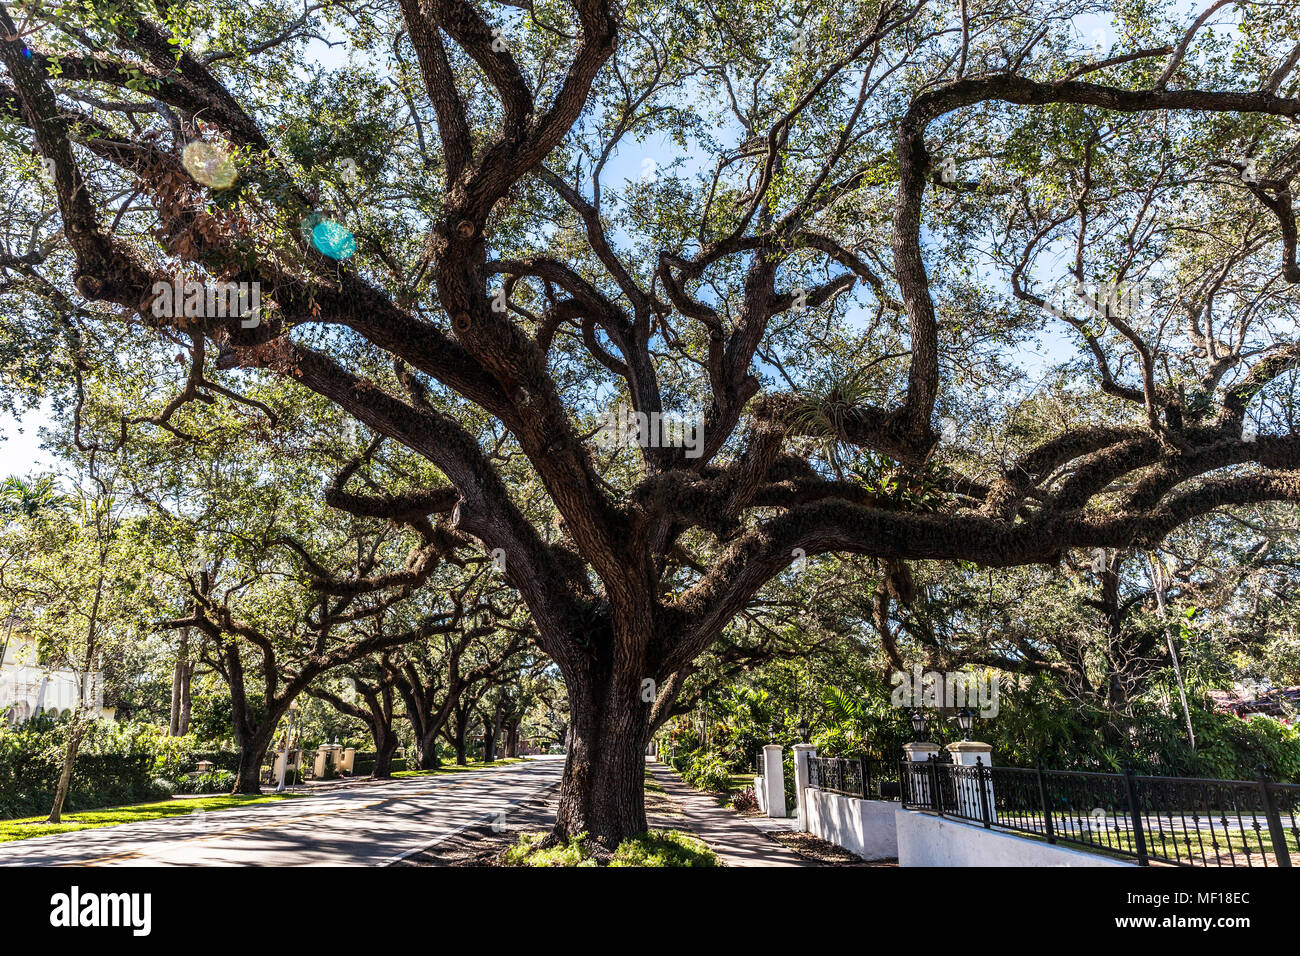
<point>365,825</point>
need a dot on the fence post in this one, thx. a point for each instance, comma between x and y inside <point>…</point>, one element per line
<point>936,796</point>
<point>1042,800</point>
<point>1275,832</point>
<point>865,777</point>
<point>917,776</point>
<point>966,754</point>
<point>980,771</point>
<point>1135,812</point>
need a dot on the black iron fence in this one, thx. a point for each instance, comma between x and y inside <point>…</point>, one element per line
<point>865,777</point>
<point>1181,821</point>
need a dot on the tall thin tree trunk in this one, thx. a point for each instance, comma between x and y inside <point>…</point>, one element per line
<point>186,682</point>
<point>75,733</point>
<point>459,732</point>
<point>180,686</point>
<point>1161,584</point>
<point>78,728</point>
<point>173,725</point>
<point>497,719</point>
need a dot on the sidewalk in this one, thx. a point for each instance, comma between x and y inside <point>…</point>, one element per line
<point>733,837</point>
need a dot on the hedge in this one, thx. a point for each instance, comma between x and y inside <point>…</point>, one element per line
<point>115,765</point>
<point>364,764</point>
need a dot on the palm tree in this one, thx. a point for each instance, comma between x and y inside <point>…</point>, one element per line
<point>18,496</point>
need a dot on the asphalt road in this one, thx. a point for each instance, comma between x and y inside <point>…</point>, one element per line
<point>366,825</point>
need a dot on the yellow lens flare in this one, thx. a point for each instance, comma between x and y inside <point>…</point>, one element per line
<point>210,165</point>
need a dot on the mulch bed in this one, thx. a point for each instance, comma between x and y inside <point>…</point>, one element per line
<point>820,852</point>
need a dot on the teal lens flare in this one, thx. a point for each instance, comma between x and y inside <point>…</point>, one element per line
<point>333,240</point>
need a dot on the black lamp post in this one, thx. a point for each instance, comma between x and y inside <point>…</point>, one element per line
<point>804,730</point>
<point>965,720</point>
<point>919,723</point>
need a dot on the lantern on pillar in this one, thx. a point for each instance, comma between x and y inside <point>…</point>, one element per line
<point>965,721</point>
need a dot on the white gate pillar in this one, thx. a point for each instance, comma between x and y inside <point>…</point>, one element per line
<point>774,774</point>
<point>801,754</point>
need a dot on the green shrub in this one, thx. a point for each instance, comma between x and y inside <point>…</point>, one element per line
<point>708,772</point>
<point>178,756</point>
<point>526,853</point>
<point>219,758</point>
<point>664,848</point>
<point>214,781</point>
<point>1231,748</point>
<point>1037,721</point>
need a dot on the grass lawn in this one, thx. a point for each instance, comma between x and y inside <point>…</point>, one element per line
<point>1166,837</point>
<point>741,781</point>
<point>26,827</point>
<point>456,768</point>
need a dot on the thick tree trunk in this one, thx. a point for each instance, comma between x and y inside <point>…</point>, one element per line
<point>603,790</point>
<point>385,747</point>
<point>458,741</point>
<point>425,731</point>
<point>512,739</point>
<point>252,753</point>
<point>428,750</point>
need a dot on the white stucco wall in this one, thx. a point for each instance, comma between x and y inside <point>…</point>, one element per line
<point>866,828</point>
<point>928,840</point>
<point>27,688</point>
<point>31,689</point>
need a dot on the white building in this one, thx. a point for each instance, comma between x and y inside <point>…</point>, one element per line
<point>27,688</point>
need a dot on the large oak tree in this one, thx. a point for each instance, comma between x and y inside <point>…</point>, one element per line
<point>871,204</point>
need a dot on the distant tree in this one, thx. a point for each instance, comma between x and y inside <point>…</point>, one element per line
<point>73,574</point>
